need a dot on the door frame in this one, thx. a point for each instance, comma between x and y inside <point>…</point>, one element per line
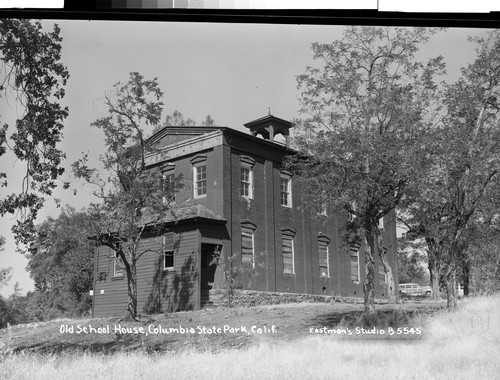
<point>205,240</point>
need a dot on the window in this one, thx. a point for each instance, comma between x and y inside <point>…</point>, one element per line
<point>168,251</point>
<point>168,187</point>
<point>354,256</point>
<point>199,163</point>
<point>286,190</point>
<point>381,275</point>
<point>118,265</point>
<point>323,211</point>
<point>352,212</point>
<point>200,180</point>
<point>324,259</point>
<point>288,262</point>
<point>246,181</point>
<point>288,251</point>
<point>381,223</point>
<point>247,246</point>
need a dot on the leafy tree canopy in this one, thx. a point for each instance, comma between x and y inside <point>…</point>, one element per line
<point>61,262</point>
<point>176,119</point>
<point>463,163</point>
<point>412,260</point>
<point>368,105</point>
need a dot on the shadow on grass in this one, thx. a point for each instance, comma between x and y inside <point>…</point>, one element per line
<point>379,319</point>
<point>121,343</point>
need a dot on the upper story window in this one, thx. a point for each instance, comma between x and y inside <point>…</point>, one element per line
<point>352,214</point>
<point>324,210</point>
<point>324,258</point>
<point>199,176</point>
<point>247,164</point>
<point>200,181</point>
<point>168,186</point>
<point>381,223</point>
<point>118,266</point>
<point>286,189</point>
<point>247,181</point>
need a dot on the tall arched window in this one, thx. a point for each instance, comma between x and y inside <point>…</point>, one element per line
<point>324,257</point>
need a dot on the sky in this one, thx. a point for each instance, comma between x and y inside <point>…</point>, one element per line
<point>233,72</point>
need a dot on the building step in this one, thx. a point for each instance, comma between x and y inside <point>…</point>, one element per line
<point>205,301</point>
<point>207,304</point>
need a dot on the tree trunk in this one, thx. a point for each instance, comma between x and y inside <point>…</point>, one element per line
<point>382,252</point>
<point>451,296</point>
<point>368,284</point>
<point>466,276</point>
<point>434,265</point>
<point>434,271</point>
<point>132,290</point>
<point>451,281</point>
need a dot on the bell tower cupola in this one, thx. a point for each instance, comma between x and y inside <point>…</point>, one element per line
<point>269,126</point>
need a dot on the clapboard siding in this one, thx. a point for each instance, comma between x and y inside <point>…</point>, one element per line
<point>181,290</point>
<point>110,294</point>
<point>158,290</point>
<point>147,268</point>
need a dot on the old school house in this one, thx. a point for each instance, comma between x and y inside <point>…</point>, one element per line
<point>238,201</point>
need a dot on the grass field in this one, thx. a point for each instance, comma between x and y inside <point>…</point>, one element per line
<point>464,344</point>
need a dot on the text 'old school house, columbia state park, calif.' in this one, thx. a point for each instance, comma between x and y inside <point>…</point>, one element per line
<point>237,202</point>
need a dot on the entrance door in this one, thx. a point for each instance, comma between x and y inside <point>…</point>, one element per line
<point>209,252</point>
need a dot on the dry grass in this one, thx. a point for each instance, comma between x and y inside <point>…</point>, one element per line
<point>464,344</point>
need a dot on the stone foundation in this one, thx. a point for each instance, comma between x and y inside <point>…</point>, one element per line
<point>248,298</point>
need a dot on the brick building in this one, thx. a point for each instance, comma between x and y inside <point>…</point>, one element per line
<point>237,201</point>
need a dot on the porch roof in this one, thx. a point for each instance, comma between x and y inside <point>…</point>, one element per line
<point>193,213</point>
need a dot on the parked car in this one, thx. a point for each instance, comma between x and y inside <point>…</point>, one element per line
<point>415,290</point>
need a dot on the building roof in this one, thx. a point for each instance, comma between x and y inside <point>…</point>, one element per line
<point>193,212</point>
<point>189,213</point>
<point>269,126</point>
<point>191,131</point>
<point>185,214</point>
<point>269,119</point>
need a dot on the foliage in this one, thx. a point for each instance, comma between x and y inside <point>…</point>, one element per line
<point>30,60</point>
<point>483,253</point>
<point>4,313</point>
<point>233,275</point>
<point>209,122</point>
<point>61,263</point>
<point>370,104</point>
<point>176,119</point>
<point>134,199</point>
<point>463,163</point>
<point>411,261</point>
<point>12,310</point>
<point>5,273</point>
